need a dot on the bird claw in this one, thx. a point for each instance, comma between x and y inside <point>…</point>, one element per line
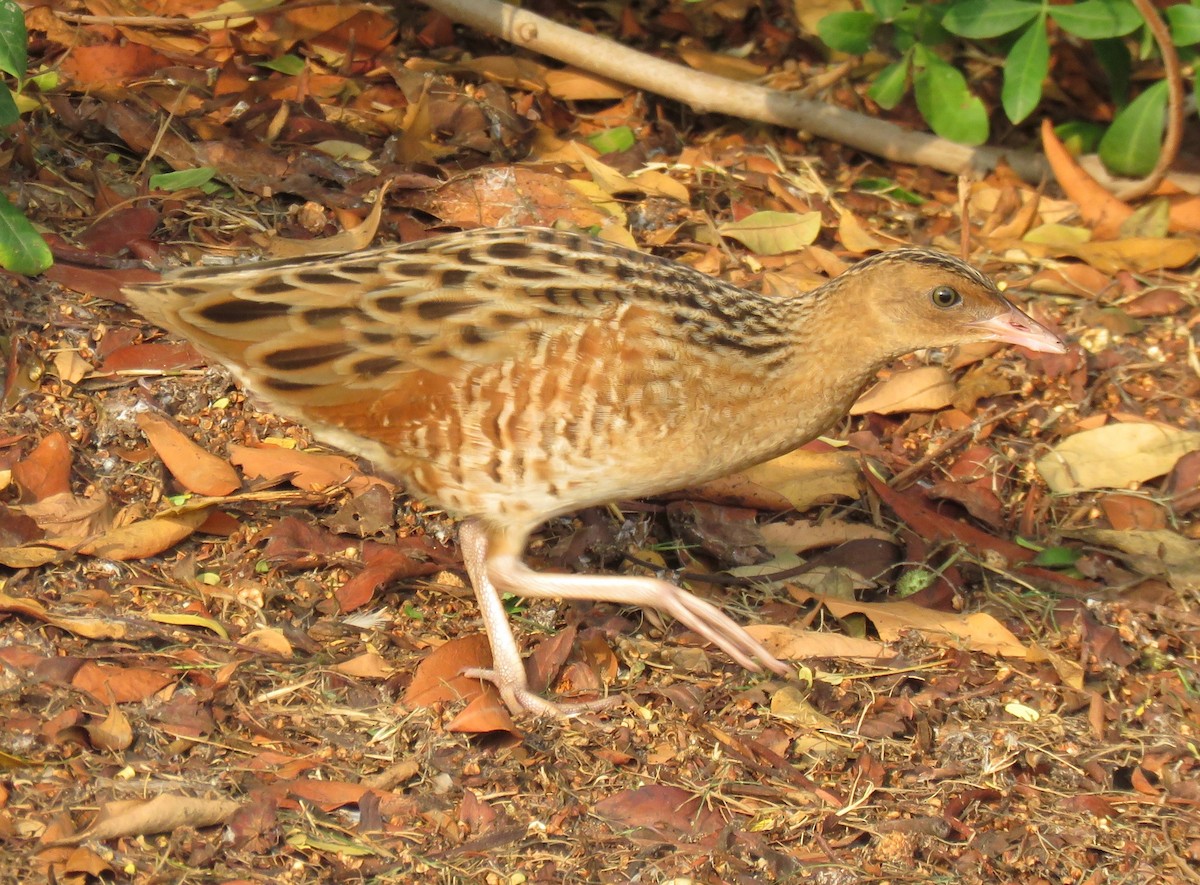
<point>520,698</point>
<point>708,621</point>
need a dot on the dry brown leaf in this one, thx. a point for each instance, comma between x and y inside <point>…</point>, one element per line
<point>1103,212</point>
<point>196,469</point>
<point>70,366</point>
<point>146,537</point>
<point>269,640</point>
<point>369,665</point>
<point>790,644</point>
<point>977,631</point>
<point>805,477</point>
<point>923,389</point>
<point>774,233</point>
<point>349,240</point>
<point>658,812</point>
<point>91,628</point>
<point>1160,553</point>
<point>120,685</point>
<point>485,713</point>
<point>1115,456</point>
<point>572,84</point>
<point>439,677</point>
<point>67,519</point>
<point>113,734</point>
<point>162,814</point>
<point>791,705</point>
<point>1140,255</point>
<point>854,236</point>
<point>31,556</point>
<point>309,471</point>
<point>799,536</point>
<point>46,471</point>
<point>721,64</point>
<point>1070,672</point>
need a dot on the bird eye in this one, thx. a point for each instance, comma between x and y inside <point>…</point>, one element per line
<point>945,297</point>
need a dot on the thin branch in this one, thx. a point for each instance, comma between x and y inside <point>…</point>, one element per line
<point>1174,76</point>
<point>707,93</point>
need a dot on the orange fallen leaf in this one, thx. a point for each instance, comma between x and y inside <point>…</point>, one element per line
<point>1100,209</point>
<point>196,470</point>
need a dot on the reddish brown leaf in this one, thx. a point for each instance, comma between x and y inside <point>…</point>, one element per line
<point>669,813</point>
<point>46,470</point>
<point>152,357</point>
<point>110,684</point>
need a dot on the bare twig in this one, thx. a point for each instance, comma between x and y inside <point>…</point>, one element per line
<point>709,93</point>
<point>1174,75</point>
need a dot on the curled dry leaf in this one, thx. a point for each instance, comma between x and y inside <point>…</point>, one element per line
<point>268,640</point>
<point>791,705</point>
<point>162,814</point>
<point>67,519</point>
<point>113,734</point>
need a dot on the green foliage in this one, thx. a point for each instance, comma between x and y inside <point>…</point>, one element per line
<point>619,138</point>
<point>22,250</point>
<point>13,59</point>
<point>21,247</point>
<point>1131,144</point>
<point>928,38</point>
<point>184,179</point>
<point>292,65</point>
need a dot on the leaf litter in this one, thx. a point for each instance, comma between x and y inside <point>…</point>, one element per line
<point>213,624</point>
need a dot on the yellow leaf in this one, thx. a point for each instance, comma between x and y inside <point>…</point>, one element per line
<point>774,233</point>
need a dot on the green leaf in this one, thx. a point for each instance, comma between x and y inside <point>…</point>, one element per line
<point>9,112</point>
<point>22,249</point>
<point>619,138</point>
<point>774,233</point>
<point>890,85</point>
<point>1057,557</point>
<point>1079,137</point>
<point>848,32</point>
<point>1184,21</point>
<point>984,19</point>
<point>285,64</point>
<point>1132,142</point>
<point>1025,70</point>
<point>948,105</point>
<point>1097,19</point>
<point>885,187</point>
<point>886,10</point>
<point>919,24</point>
<point>183,179</point>
<point>13,59</point>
